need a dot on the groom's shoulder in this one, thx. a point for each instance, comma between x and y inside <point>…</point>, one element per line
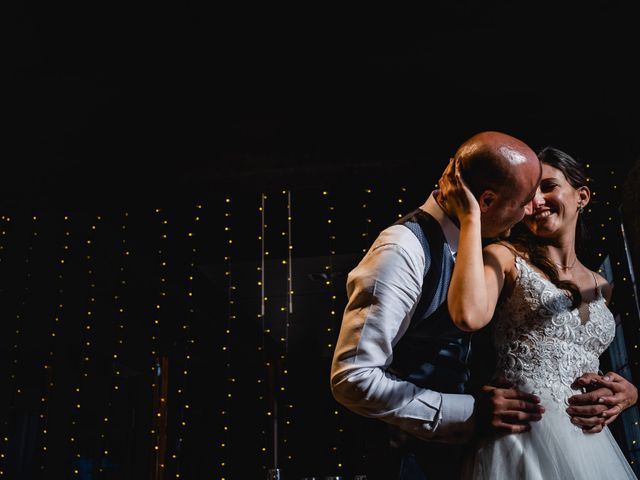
<point>398,234</point>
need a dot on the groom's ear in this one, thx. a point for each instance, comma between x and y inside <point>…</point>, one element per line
<point>486,199</point>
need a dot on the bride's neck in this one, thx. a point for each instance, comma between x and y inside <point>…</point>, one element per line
<point>562,254</point>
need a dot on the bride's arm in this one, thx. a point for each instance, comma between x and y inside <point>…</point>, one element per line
<point>478,277</point>
<point>476,284</point>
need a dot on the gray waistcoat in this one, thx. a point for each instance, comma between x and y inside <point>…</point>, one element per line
<point>433,353</point>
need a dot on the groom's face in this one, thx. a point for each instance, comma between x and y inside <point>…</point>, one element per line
<point>510,206</point>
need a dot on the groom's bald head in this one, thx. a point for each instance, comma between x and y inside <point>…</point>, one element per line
<point>499,162</point>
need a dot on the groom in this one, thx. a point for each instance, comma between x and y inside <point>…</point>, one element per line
<point>400,359</point>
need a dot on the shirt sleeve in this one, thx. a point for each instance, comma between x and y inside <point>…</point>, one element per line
<point>383,291</point>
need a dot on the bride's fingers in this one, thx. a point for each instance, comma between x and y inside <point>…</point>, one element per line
<point>458,174</point>
<point>594,429</point>
<point>610,384</point>
<point>446,183</point>
<point>615,410</point>
<point>449,173</point>
<point>586,410</point>
<point>587,379</point>
<point>610,419</point>
<point>587,421</point>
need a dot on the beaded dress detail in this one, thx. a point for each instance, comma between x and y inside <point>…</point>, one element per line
<point>543,342</point>
<point>543,346</point>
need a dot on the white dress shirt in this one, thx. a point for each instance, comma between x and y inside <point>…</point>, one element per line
<point>384,290</point>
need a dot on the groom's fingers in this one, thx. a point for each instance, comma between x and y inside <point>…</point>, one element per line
<point>515,406</point>
<point>510,409</point>
<point>590,397</point>
<point>515,421</point>
<point>517,417</point>
<point>511,399</point>
<point>512,427</point>
<point>521,406</point>
<point>513,394</point>
<point>612,400</point>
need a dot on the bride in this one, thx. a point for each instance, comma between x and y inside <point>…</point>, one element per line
<point>551,325</point>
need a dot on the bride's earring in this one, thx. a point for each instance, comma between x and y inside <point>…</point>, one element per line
<point>580,208</point>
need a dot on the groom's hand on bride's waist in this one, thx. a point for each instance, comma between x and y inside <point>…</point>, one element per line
<point>604,397</point>
<point>501,407</point>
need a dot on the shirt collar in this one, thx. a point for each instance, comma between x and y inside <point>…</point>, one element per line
<point>450,229</point>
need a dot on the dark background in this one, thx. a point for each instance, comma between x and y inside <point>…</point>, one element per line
<point>137,113</point>
<point>160,99</point>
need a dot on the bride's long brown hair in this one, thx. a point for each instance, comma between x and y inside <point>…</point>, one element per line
<point>535,247</point>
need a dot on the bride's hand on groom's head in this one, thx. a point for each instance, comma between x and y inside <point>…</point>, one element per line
<point>604,397</point>
<point>456,193</point>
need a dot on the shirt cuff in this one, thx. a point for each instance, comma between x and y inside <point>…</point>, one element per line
<point>456,422</point>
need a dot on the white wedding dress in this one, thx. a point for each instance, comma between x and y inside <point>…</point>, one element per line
<point>543,346</point>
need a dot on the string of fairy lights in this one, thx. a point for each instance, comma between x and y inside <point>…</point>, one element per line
<point>185,333</point>
<point>630,293</point>
<point>225,458</point>
<point>15,379</point>
<point>273,389</point>
<point>5,221</point>
<point>600,216</point>
<point>328,269</point>
<point>4,226</point>
<point>366,231</point>
<point>263,397</point>
<point>92,308</point>
<point>159,365</point>
<point>86,336</point>
<point>400,201</point>
<point>48,364</point>
<point>290,292</point>
<point>114,393</point>
<point>332,317</point>
<point>283,402</point>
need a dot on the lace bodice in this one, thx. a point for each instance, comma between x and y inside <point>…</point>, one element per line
<point>542,342</point>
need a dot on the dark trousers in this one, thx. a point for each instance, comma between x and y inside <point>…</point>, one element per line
<point>408,458</point>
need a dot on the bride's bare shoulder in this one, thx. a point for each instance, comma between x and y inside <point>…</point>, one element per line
<point>503,251</point>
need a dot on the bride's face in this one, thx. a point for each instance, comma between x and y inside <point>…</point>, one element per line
<point>555,208</point>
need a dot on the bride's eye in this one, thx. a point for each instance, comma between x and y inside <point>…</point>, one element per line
<point>546,187</point>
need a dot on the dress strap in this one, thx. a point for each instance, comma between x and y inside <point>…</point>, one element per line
<point>595,279</point>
